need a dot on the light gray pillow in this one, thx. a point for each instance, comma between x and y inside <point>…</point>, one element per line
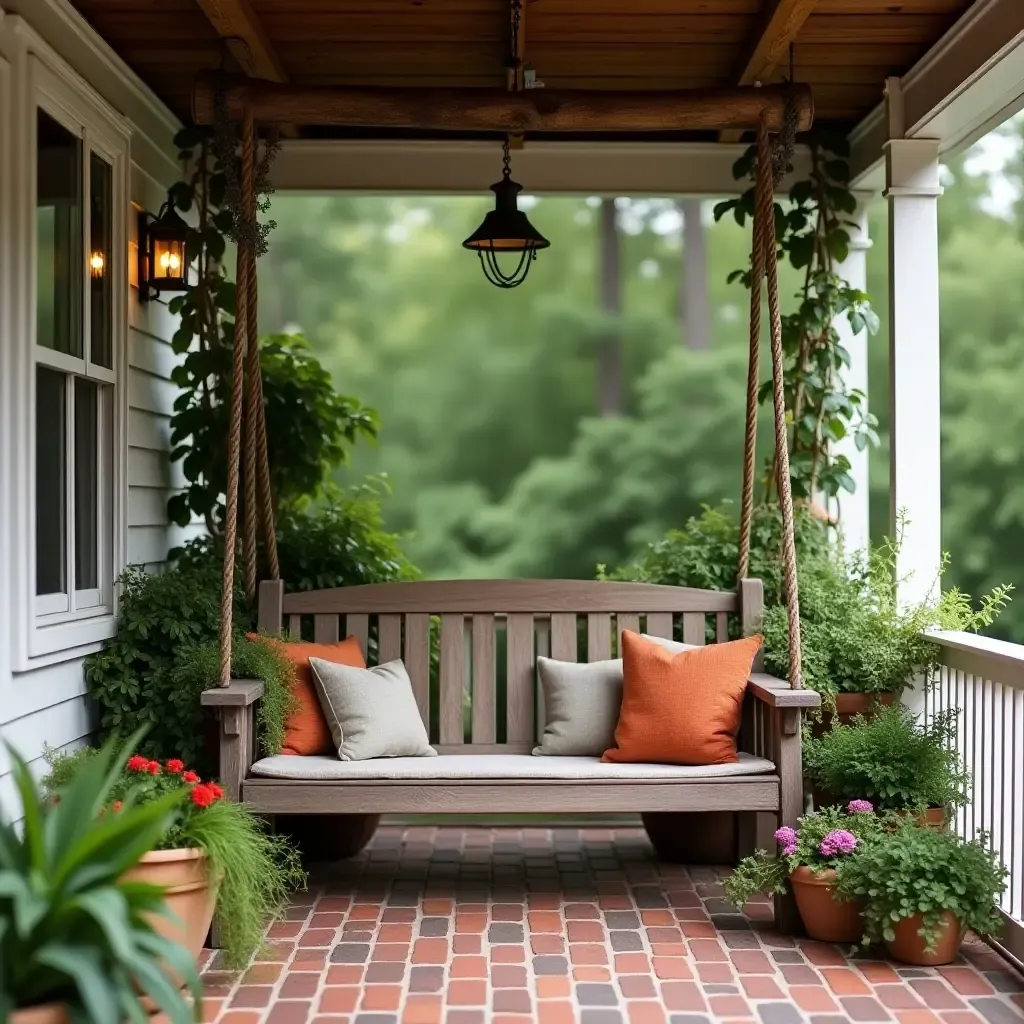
<point>581,704</point>
<point>371,711</point>
<point>670,645</point>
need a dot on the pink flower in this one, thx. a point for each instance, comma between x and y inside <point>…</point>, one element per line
<point>789,851</point>
<point>786,836</point>
<point>837,842</point>
<point>860,807</point>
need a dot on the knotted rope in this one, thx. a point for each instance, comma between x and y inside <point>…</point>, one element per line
<point>764,263</point>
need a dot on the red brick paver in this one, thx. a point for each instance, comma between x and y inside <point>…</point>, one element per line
<point>567,926</point>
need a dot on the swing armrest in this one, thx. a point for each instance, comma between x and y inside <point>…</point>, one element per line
<point>236,709</point>
<point>777,693</point>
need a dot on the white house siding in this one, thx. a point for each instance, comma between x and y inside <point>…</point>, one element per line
<point>43,704</point>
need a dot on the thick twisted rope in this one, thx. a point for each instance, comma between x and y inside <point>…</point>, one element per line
<point>246,295</point>
<point>763,181</point>
<point>234,450</point>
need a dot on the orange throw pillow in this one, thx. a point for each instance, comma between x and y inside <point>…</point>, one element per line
<point>681,708</point>
<point>306,731</point>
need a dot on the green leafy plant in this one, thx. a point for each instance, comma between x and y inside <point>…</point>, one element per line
<point>308,423</point>
<point>856,636</point>
<point>254,871</point>
<point>821,841</point>
<point>704,553</point>
<point>165,654</point>
<point>891,759</point>
<point>71,930</point>
<point>908,870</point>
<point>812,233</point>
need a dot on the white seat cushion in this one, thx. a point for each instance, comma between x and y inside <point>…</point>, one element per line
<point>494,766</point>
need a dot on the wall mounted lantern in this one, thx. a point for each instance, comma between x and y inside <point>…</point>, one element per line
<point>506,229</point>
<point>162,263</point>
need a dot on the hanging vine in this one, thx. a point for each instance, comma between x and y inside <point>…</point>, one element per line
<point>813,236</point>
<point>309,424</point>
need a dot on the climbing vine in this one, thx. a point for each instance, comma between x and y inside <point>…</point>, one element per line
<point>813,236</point>
<point>309,425</point>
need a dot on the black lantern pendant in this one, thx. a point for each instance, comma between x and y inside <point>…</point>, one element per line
<point>506,229</point>
<point>162,263</point>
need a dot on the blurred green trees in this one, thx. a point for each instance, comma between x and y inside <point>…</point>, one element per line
<point>490,430</point>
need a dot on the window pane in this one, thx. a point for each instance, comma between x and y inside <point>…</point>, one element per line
<point>86,484</point>
<point>51,501</point>
<point>59,237</point>
<point>100,235</point>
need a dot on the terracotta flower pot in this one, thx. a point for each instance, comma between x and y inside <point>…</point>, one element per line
<point>825,917</point>
<point>189,896</point>
<point>848,705</point>
<point>49,1013</point>
<point>909,947</point>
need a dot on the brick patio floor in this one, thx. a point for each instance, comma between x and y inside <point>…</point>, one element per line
<point>566,926</point>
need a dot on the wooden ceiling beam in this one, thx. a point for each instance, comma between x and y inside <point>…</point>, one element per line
<point>498,111</point>
<point>777,29</point>
<point>238,25</point>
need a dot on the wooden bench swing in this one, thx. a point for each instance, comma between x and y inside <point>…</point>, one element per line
<point>491,631</point>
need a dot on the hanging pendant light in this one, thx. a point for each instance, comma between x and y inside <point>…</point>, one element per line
<point>506,229</point>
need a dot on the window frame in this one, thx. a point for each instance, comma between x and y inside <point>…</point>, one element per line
<point>57,626</point>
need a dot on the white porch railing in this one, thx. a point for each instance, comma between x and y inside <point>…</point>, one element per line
<point>984,680</point>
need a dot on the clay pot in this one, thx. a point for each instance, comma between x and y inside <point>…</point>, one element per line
<point>848,705</point>
<point>825,917</point>
<point>49,1013</point>
<point>909,947</point>
<point>185,875</point>
<point>934,817</point>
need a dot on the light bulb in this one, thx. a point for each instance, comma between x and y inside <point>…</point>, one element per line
<point>96,264</point>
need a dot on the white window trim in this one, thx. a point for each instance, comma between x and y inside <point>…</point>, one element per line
<point>51,631</point>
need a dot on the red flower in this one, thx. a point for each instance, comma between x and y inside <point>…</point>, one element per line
<point>153,767</point>
<point>203,795</point>
<point>117,806</point>
<point>190,776</point>
<point>217,791</point>
<point>175,767</point>
<point>138,763</point>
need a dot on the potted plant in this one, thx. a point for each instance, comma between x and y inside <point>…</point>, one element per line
<point>922,888</point>
<point>861,646</point>
<point>217,860</point>
<point>894,760</point>
<point>78,938</point>
<point>809,857</point>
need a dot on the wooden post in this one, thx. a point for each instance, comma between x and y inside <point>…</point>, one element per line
<point>789,765</point>
<point>912,192</point>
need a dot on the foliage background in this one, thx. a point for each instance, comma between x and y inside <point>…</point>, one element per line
<point>490,436</point>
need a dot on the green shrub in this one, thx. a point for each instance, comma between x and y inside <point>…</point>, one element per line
<point>71,929</point>
<point>254,871</point>
<point>892,760</point>
<point>705,552</point>
<point>856,637</point>
<point>910,870</point>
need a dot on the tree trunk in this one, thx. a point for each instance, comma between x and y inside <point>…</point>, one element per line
<point>609,373</point>
<point>694,311</point>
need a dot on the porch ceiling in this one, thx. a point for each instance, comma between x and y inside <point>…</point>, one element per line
<point>844,48</point>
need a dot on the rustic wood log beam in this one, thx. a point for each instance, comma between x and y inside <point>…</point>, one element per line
<point>486,110</point>
<point>236,22</point>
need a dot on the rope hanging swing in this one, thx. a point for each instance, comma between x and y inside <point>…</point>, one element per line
<point>252,464</point>
<point>770,164</point>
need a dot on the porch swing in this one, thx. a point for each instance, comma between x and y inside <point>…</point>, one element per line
<point>491,770</point>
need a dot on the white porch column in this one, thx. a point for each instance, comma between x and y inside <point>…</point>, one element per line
<point>852,509</point>
<point>912,191</point>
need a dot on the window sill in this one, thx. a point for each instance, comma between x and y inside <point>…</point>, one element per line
<point>63,641</point>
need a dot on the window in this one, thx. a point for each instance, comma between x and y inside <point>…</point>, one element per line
<point>78,258</point>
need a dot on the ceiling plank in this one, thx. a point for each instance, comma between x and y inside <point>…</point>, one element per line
<point>237,24</point>
<point>769,46</point>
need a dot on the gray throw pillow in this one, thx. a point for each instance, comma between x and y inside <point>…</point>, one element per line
<point>670,645</point>
<point>371,711</point>
<point>581,703</point>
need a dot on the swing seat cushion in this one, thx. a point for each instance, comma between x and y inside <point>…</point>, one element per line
<point>684,707</point>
